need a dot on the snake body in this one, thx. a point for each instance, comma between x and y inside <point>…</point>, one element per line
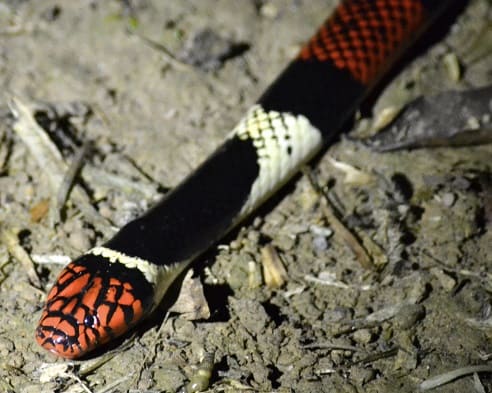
<point>108,290</point>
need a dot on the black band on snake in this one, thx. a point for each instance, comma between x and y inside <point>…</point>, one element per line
<point>108,290</point>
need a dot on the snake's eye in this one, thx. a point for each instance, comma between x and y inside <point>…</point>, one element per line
<point>90,321</point>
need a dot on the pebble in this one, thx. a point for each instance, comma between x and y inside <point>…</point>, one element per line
<point>448,199</point>
<point>339,356</point>
<point>269,10</point>
<point>363,336</point>
<point>251,314</point>
<point>361,375</point>
<point>169,376</point>
<point>386,332</point>
<point>254,236</point>
<point>324,366</point>
<point>405,360</point>
<point>461,183</point>
<point>418,291</point>
<point>79,241</point>
<point>6,346</point>
<point>338,314</point>
<point>446,281</point>
<point>286,242</point>
<point>105,210</point>
<point>317,230</point>
<point>320,243</point>
<point>235,245</point>
<point>409,315</point>
<point>16,360</point>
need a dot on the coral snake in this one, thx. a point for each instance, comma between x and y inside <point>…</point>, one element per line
<point>111,288</point>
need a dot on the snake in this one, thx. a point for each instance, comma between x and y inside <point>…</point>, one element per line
<point>110,289</point>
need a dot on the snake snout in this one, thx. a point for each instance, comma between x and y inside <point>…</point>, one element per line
<point>53,338</point>
<point>89,305</point>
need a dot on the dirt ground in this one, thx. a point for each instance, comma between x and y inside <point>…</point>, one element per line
<point>127,76</point>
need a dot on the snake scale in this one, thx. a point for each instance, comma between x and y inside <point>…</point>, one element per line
<point>108,290</point>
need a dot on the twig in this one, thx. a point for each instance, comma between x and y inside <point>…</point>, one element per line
<point>50,160</point>
<point>80,382</point>
<point>328,279</point>
<point>168,55</point>
<point>333,347</point>
<point>6,151</point>
<point>38,142</point>
<point>151,355</point>
<point>87,368</point>
<point>69,178</point>
<point>483,277</point>
<point>110,387</point>
<point>3,273</point>
<point>376,356</point>
<point>52,372</point>
<point>341,231</point>
<point>100,177</point>
<point>450,376</point>
<point>15,249</point>
<point>477,384</point>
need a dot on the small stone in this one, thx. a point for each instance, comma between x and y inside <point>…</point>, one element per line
<point>251,314</point>
<point>446,281</point>
<point>287,357</point>
<point>361,375</point>
<point>317,230</point>
<point>409,315</point>
<point>338,314</point>
<point>405,360</point>
<point>387,332</point>
<point>254,236</point>
<point>184,329</point>
<point>286,242</point>
<point>16,360</point>
<point>325,366</point>
<point>235,245</point>
<point>363,336</point>
<point>337,356</point>
<point>320,243</point>
<point>79,241</point>
<point>461,183</point>
<point>169,376</point>
<point>6,346</point>
<point>105,210</point>
<point>448,199</point>
<point>403,209</point>
<point>418,291</point>
<point>269,10</point>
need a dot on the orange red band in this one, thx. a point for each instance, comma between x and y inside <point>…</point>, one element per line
<point>361,36</point>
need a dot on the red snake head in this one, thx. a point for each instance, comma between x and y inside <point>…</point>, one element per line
<point>93,301</point>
